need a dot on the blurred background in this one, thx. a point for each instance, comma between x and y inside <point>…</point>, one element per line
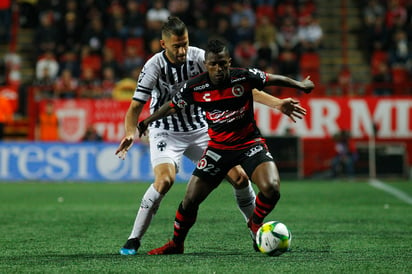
<point>68,70</point>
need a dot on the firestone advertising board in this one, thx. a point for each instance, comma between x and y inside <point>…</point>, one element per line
<point>78,162</point>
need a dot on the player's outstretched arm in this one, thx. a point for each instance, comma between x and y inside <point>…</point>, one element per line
<point>130,122</point>
<point>165,110</point>
<point>279,80</point>
<point>287,106</point>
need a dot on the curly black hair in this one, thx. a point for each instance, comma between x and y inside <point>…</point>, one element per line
<point>216,46</point>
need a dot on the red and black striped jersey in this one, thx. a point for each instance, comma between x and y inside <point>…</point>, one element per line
<point>228,107</point>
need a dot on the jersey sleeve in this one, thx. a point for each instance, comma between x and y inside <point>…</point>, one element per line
<point>183,98</point>
<point>257,77</point>
<point>147,80</point>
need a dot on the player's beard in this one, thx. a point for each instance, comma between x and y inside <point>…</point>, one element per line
<point>180,59</point>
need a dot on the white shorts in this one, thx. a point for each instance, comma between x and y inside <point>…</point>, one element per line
<point>169,147</point>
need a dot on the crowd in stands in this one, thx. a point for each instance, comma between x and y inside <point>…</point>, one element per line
<point>96,49</point>
<point>84,48</point>
<point>388,36</point>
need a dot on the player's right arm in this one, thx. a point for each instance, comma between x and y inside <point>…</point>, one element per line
<point>130,122</point>
<point>145,84</point>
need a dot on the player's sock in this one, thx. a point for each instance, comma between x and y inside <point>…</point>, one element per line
<point>264,206</point>
<point>245,199</point>
<point>148,208</point>
<point>184,220</point>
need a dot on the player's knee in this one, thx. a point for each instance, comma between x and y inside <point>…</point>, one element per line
<point>163,184</point>
<point>238,180</point>
<point>271,189</point>
<point>241,182</point>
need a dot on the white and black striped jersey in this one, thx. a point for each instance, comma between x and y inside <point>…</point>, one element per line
<point>160,80</point>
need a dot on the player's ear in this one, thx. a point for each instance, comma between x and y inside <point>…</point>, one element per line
<point>162,44</point>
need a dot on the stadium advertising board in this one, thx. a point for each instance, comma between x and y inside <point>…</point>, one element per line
<point>325,117</point>
<point>77,162</point>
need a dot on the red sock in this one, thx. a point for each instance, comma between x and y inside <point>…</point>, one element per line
<point>263,207</point>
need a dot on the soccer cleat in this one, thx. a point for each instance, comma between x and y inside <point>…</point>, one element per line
<point>130,247</point>
<point>169,248</point>
<point>253,228</point>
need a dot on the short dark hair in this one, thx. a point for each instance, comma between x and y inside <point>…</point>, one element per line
<point>174,26</point>
<point>216,46</point>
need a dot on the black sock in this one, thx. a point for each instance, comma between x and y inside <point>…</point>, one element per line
<point>184,220</point>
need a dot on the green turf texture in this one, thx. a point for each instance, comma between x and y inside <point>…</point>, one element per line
<point>338,227</point>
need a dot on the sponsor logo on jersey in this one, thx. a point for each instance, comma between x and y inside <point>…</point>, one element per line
<point>204,86</point>
<point>160,135</point>
<point>215,157</point>
<point>227,116</point>
<point>238,80</point>
<point>254,150</point>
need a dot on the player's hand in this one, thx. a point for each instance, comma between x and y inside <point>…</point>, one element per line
<point>124,147</point>
<point>291,108</point>
<point>307,85</point>
<point>142,127</point>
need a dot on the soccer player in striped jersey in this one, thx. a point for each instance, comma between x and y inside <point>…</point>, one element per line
<point>183,133</point>
<point>225,94</point>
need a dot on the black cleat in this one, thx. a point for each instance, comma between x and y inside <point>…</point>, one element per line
<point>130,247</point>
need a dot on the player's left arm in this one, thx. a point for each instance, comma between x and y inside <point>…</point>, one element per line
<point>283,81</point>
<point>287,106</point>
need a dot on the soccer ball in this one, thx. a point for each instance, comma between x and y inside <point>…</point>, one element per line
<point>273,238</point>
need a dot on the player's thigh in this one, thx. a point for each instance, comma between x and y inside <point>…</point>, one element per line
<point>266,177</point>
<point>165,149</point>
<point>261,168</point>
<point>196,144</point>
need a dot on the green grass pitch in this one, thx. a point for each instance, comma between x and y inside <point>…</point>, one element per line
<point>337,227</point>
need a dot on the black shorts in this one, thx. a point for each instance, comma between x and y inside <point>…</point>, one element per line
<point>216,163</point>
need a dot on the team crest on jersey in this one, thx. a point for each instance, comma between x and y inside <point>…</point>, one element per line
<point>202,163</point>
<point>238,90</point>
<point>181,103</point>
<point>161,145</point>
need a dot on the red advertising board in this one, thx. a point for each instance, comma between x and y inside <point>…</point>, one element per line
<point>325,117</point>
<point>107,116</point>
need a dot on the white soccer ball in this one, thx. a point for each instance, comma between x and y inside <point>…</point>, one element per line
<point>273,238</point>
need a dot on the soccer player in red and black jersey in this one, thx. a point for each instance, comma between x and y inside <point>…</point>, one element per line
<point>225,93</point>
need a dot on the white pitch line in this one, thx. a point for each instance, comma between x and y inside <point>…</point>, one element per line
<point>391,190</point>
